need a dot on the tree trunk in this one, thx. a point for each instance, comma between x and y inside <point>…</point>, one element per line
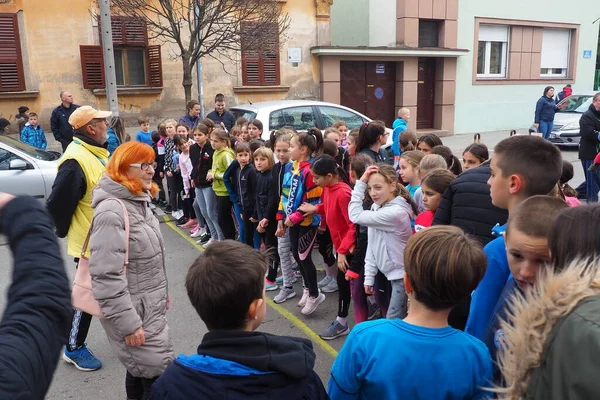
<point>187,77</point>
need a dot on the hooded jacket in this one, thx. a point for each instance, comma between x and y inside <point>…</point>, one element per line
<point>138,297</point>
<point>334,201</point>
<point>243,183</point>
<point>399,126</point>
<point>264,182</point>
<point>237,365</point>
<point>553,339</point>
<point>222,159</point>
<point>389,229</point>
<point>276,189</point>
<point>201,163</point>
<point>545,109</point>
<point>299,187</point>
<point>589,125</point>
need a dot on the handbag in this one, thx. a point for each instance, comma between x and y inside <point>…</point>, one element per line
<point>82,295</point>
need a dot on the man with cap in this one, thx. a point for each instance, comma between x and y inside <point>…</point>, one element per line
<point>70,205</point>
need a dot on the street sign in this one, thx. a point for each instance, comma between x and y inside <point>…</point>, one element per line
<point>295,54</point>
<point>380,68</point>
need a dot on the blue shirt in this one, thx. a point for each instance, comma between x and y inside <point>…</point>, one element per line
<point>391,359</point>
<point>144,137</point>
<point>487,294</point>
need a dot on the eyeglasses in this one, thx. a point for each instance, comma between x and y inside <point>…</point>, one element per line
<point>143,166</point>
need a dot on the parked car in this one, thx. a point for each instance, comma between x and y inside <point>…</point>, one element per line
<point>301,115</point>
<point>566,121</point>
<point>25,169</point>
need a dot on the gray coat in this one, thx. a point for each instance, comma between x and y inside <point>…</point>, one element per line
<point>139,298</point>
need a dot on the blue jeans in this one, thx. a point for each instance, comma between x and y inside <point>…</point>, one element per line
<point>238,210</point>
<point>592,182</point>
<point>545,128</point>
<point>207,201</point>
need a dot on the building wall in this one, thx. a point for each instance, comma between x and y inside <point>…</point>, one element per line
<point>510,105</point>
<point>350,22</point>
<point>53,30</point>
<point>382,23</point>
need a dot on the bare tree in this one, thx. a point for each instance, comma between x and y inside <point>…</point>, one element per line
<point>214,28</point>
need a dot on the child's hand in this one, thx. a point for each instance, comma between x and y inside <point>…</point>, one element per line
<point>264,223</point>
<point>242,216</point>
<point>169,174</point>
<point>209,176</point>
<point>368,289</point>
<point>348,277</point>
<point>288,222</point>
<point>161,174</point>
<point>260,229</point>
<point>253,220</point>
<point>192,183</point>
<point>280,232</point>
<point>370,170</point>
<point>307,209</point>
<point>342,262</point>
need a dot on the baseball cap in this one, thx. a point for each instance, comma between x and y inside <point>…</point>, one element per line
<point>85,114</point>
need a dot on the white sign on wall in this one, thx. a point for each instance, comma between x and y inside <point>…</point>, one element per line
<point>295,54</point>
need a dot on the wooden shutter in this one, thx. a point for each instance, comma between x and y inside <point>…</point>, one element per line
<point>11,63</point>
<point>260,66</point>
<point>92,67</point>
<point>127,31</point>
<point>154,68</point>
<point>270,57</point>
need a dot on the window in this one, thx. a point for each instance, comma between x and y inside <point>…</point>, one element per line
<point>299,118</point>
<point>136,62</point>
<point>555,52</point>
<point>260,55</point>
<point>492,51</point>
<point>428,33</point>
<point>332,114</point>
<point>11,63</point>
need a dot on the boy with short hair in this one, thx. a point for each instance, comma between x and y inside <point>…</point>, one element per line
<point>33,134</point>
<point>526,238</point>
<point>220,116</point>
<point>399,125</point>
<point>522,167</point>
<point>420,357</point>
<point>22,117</point>
<point>144,135</point>
<point>226,286</point>
<point>243,177</point>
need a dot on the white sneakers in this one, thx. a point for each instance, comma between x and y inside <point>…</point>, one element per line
<point>312,303</point>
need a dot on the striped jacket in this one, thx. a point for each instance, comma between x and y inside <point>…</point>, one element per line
<point>299,187</point>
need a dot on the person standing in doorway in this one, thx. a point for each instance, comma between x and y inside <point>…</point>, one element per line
<point>59,121</point>
<point>70,205</point>
<point>220,116</point>
<point>589,126</point>
<point>545,109</point>
<point>192,117</point>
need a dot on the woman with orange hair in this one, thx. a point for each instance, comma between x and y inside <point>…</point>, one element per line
<point>132,297</point>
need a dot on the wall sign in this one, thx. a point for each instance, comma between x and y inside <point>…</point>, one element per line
<point>295,54</point>
<point>378,93</point>
<point>587,54</point>
<point>380,68</point>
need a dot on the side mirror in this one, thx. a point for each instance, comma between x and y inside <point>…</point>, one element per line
<point>18,164</point>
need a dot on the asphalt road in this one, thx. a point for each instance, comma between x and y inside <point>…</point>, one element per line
<point>186,327</point>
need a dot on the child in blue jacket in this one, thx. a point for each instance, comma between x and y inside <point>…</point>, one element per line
<point>33,134</point>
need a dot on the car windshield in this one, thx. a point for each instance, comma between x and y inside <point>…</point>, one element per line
<point>577,103</point>
<point>30,150</point>
<point>240,112</point>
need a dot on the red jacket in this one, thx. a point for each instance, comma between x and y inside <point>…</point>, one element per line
<point>424,220</point>
<point>334,206</point>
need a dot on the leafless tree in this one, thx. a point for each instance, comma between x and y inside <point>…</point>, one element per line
<point>213,28</point>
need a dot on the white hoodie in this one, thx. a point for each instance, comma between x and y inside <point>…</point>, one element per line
<point>389,231</point>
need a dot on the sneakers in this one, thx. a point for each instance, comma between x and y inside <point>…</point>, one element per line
<point>284,294</point>
<point>331,287</point>
<point>324,282</point>
<point>312,303</point>
<point>83,359</point>
<point>195,231</point>
<point>207,243</point>
<point>304,298</point>
<point>204,239</point>
<point>373,311</point>
<point>335,330</point>
<point>169,209</point>
<point>189,224</point>
<point>279,280</point>
<point>181,221</point>
<point>270,286</point>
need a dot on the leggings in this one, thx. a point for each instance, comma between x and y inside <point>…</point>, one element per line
<point>270,241</point>
<point>174,196</point>
<point>138,388</point>
<point>398,301</point>
<point>249,230</point>
<point>188,206</point>
<point>284,249</point>
<point>225,220</point>
<point>326,249</point>
<point>302,239</point>
<point>360,300</point>
<point>343,291</point>
<point>159,182</point>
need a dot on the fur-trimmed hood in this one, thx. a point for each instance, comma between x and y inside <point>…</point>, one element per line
<point>534,315</point>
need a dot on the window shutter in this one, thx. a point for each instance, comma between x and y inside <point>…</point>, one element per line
<point>251,68</point>
<point>155,78</point>
<point>555,48</point>
<point>11,64</point>
<point>260,66</point>
<point>270,57</point>
<point>92,67</point>
<point>127,31</point>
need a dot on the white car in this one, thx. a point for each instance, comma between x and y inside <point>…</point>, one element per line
<point>301,115</point>
<point>566,121</point>
<point>26,170</point>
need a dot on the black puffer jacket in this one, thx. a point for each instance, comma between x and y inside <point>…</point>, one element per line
<point>589,124</point>
<point>467,204</point>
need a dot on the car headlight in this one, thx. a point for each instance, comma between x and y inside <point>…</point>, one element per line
<point>553,135</point>
<point>570,126</point>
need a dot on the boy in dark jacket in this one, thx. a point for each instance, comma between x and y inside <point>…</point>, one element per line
<point>243,183</point>
<point>226,287</point>
<point>159,170</point>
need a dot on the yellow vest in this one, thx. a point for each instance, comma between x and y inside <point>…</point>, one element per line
<point>92,160</point>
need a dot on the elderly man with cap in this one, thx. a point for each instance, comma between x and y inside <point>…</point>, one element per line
<point>70,205</point>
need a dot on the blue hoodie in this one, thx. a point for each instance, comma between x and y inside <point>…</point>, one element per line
<point>487,294</point>
<point>399,126</point>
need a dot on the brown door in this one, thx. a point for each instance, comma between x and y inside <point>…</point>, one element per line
<point>369,88</point>
<point>425,93</point>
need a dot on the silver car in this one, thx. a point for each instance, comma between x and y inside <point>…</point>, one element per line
<point>566,121</point>
<point>301,115</point>
<point>25,169</point>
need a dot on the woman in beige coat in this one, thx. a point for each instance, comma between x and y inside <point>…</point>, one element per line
<point>134,302</point>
